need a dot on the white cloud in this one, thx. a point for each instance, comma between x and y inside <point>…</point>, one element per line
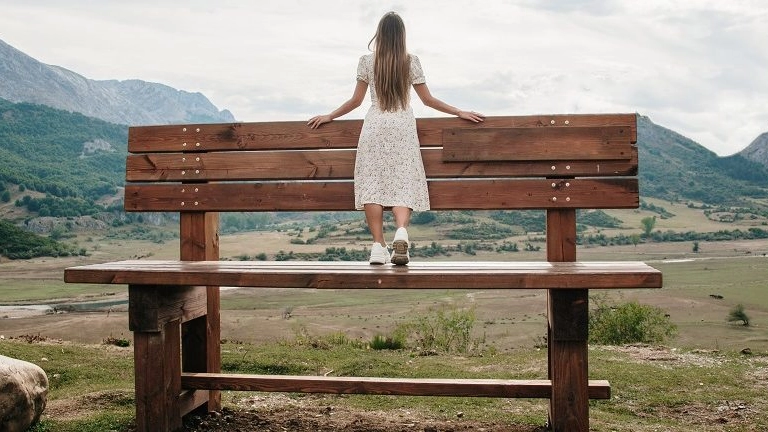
<point>695,66</point>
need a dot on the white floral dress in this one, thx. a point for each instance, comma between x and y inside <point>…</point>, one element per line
<point>388,168</point>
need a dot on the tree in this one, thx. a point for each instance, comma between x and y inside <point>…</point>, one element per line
<point>648,224</point>
<point>738,314</point>
<point>696,248</point>
<point>6,196</point>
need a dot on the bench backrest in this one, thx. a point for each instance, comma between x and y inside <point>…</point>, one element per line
<point>517,162</point>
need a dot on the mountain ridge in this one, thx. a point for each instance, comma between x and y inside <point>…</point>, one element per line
<point>129,102</point>
<point>757,150</point>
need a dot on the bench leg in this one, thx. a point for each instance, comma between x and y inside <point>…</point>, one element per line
<point>201,348</point>
<point>157,365</point>
<point>568,363</point>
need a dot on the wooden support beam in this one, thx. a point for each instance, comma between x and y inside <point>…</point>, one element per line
<point>151,307</point>
<point>598,389</point>
<point>157,367</point>
<point>568,330</point>
<point>201,338</point>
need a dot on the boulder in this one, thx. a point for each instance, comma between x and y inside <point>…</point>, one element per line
<point>23,393</point>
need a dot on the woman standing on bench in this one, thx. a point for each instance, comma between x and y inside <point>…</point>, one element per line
<point>389,172</point>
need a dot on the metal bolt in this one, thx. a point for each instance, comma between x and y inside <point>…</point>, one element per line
<point>197,159</point>
<point>183,190</point>
<point>196,189</point>
<point>567,184</point>
<point>195,202</point>
<point>197,171</point>
<point>182,203</point>
<point>184,145</point>
<point>567,198</point>
<point>567,167</point>
<point>554,198</point>
<point>567,122</point>
<point>183,173</point>
<point>554,184</point>
<point>553,168</point>
<point>197,144</point>
<point>184,130</point>
<point>183,159</point>
<point>197,130</point>
<point>551,122</point>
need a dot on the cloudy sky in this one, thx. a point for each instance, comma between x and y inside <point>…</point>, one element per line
<point>695,66</point>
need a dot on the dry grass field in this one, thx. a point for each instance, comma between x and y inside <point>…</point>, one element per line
<point>699,289</point>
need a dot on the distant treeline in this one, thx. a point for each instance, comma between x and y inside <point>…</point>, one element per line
<point>16,243</point>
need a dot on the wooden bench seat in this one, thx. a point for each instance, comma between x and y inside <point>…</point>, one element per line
<point>361,275</point>
<point>556,163</point>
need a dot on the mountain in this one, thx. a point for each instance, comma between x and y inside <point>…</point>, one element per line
<point>674,167</point>
<point>130,102</point>
<point>758,150</point>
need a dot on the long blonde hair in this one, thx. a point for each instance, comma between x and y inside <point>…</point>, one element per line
<point>391,64</point>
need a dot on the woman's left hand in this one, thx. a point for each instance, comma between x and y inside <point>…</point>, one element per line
<point>471,116</point>
<point>316,121</point>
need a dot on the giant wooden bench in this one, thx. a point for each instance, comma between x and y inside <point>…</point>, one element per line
<point>559,163</point>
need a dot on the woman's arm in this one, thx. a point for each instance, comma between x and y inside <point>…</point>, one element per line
<point>426,97</point>
<point>352,103</point>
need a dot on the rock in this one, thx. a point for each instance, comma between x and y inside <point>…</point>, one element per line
<point>23,393</point>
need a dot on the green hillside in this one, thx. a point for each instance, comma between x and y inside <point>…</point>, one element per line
<point>673,167</point>
<point>60,153</point>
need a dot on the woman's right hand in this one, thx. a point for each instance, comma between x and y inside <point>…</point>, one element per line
<point>316,121</point>
<point>471,116</point>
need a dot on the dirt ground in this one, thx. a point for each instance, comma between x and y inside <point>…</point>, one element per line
<point>310,417</point>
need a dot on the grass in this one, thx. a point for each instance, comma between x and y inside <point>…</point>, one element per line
<point>654,388</point>
<point>666,389</point>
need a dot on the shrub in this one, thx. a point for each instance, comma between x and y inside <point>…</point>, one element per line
<point>381,342</point>
<point>738,314</point>
<point>628,323</point>
<point>447,329</point>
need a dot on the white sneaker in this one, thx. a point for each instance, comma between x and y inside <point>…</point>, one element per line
<point>400,255</point>
<point>379,254</point>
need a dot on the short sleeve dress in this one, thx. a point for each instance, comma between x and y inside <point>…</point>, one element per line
<point>388,167</point>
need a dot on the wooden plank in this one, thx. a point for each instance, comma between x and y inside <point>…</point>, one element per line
<point>340,164</point>
<point>150,309</point>
<point>201,346</point>
<point>537,143</point>
<point>598,389</point>
<point>337,134</point>
<point>468,194</point>
<point>157,369</point>
<point>568,331</point>
<point>361,275</point>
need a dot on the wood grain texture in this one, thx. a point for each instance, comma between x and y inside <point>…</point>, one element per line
<point>201,347</point>
<point>567,332</point>
<point>157,368</point>
<point>337,134</point>
<point>537,143</point>
<point>340,164</point>
<point>479,194</point>
<point>361,275</point>
<point>150,309</point>
<point>598,389</point>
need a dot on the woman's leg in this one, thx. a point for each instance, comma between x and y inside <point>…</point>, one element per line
<point>400,244</point>
<point>402,216</point>
<point>374,217</point>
